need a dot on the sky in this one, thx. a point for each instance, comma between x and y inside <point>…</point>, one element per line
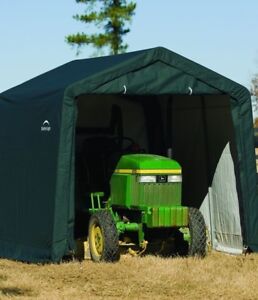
<point>221,35</point>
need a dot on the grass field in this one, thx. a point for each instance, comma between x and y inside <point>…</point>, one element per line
<point>218,276</point>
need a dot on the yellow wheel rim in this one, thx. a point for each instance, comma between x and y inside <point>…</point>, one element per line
<point>97,240</point>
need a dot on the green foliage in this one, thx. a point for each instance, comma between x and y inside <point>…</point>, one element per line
<point>110,16</point>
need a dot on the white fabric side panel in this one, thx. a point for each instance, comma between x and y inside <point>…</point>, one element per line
<point>221,208</point>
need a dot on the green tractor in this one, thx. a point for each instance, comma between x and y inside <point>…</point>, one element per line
<point>144,210</point>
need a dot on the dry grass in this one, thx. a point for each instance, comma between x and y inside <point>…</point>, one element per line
<point>218,276</point>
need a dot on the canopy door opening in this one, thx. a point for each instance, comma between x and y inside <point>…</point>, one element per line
<point>195,129</point>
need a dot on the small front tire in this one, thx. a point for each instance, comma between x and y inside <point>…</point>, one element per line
<point>103,237</point>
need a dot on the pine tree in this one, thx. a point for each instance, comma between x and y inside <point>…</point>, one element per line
<point>110,16</point>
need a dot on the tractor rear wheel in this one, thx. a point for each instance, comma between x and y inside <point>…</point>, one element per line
<point>197,243</point>
<point>103,237</point>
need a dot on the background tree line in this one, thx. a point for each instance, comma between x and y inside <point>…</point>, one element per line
<point>254,93</point>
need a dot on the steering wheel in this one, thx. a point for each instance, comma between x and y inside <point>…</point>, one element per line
<point>126,144</point>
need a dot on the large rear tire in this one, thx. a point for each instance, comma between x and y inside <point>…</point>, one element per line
<point>103,237</point>
<point>197,244</point>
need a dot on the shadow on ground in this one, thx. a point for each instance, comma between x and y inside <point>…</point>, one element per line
<point>14,291</point>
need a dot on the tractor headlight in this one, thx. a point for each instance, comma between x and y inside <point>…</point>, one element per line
<point>147,178</point>
<point>174,178</point>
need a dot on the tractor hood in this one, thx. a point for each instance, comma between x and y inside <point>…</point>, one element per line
<point>147,164</point>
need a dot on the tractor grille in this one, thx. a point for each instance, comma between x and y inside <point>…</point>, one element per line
<point>156,194</point>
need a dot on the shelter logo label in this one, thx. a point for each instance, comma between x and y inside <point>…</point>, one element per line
<point>45,126</point>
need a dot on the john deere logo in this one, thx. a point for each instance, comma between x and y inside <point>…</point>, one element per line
<point>45,126</point>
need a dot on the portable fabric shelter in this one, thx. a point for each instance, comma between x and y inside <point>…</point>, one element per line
<point>37,142</point>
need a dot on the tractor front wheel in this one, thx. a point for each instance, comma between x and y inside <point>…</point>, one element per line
<point>103,237</point>
<point>197,243</point>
